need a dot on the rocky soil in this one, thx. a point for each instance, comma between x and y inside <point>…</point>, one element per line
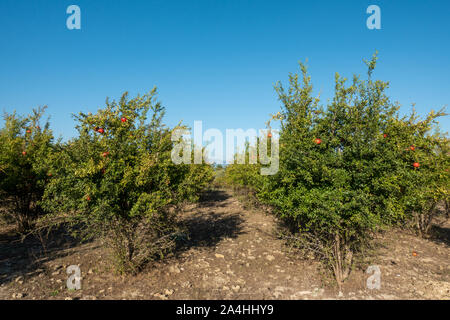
<point>232,253</point>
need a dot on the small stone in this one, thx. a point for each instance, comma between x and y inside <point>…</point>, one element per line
<point>160,296</point>
<point>168,292</point>
<point>90,271</point>
<point>219,256</point>
<point>318,291</point>
<point>174,269</point>
<point>387,296</point>
<point>302,293</point>
<point>270,257</point>
<point>68,298</point>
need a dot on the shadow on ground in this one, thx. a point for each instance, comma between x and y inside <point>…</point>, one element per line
<point>206,229</point>
<point>19,257</point>
<point>441,234</point>
<point>213,198</point>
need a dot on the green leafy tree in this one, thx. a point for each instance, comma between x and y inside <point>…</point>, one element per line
<point>425,160</point>
<point>348,170</point>
<point>247,174</point>
<point>117,180</point>
<point>25,147</point>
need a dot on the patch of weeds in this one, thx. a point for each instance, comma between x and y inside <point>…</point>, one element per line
<point>54,293</point>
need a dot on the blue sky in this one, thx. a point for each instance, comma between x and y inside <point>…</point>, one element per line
<point>214,60</point>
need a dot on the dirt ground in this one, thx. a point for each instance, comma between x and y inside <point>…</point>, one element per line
<point>232,253</point>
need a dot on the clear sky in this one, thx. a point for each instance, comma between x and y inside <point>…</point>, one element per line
<point>214,60</point>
